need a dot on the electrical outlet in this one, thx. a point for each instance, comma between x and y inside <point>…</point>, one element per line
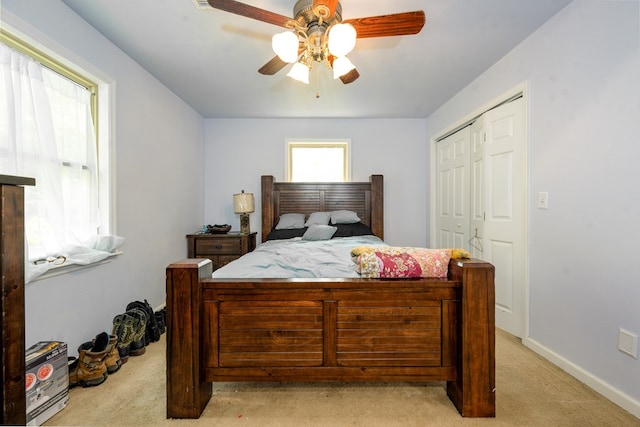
<point>628,342</point>
<point>543,200</point>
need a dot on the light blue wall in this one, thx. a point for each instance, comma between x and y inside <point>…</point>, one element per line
<point>158,151</point>
<point>238,151</point>
<point>583,74</point>
<point>582,68</point>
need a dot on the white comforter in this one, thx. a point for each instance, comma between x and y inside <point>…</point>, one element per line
<point>298,258</point>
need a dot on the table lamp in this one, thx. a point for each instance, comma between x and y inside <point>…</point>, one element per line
<point>243,204</point>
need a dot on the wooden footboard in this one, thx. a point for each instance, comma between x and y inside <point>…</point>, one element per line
<point>330,330</point>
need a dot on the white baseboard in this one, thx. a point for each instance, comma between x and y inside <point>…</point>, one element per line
<point>607,390</point>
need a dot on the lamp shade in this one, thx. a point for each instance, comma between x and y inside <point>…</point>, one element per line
<point>243,203</point>
<point>285,45</point>
<point>299,72</point>
<point>342,39</point>
<point>341,66</point>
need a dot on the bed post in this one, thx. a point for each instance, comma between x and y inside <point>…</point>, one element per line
<point>187,392</point>
<point>267,205</point>
<point>473,391</point>
<point>377,205</point>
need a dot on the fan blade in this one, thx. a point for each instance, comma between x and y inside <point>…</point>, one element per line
<point>276,64</point>
<point>350,77</point>
<point>330,5</point>
<point>273,66</point>
<point>253,12</point>
<point>397,24</point>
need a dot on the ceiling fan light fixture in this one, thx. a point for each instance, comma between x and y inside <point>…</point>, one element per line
<point>341,66</point>
<point>299,72</point>
<point>285,45</point>
<point>342,39</point>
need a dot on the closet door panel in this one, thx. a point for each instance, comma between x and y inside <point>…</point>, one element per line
<point>504,225</point>
<point>452,175</point>
<point>444,194</point>
<point>476,231</point>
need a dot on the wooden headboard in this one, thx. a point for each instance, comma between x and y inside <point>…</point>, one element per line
<point>365,198</point>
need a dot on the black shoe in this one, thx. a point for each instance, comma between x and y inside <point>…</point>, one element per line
<point>153,331</point>
<point>161,319</point>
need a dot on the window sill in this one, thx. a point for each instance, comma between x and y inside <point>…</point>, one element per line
<point>58,270</point>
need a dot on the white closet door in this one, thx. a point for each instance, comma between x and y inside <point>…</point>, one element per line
<point>452,184</point>
<point>476,187</point>
<point>504,210</point>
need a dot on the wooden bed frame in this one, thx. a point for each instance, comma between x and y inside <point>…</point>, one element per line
<point>330,329</point>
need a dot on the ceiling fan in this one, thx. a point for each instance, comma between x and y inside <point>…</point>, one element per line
<point>317,33</point>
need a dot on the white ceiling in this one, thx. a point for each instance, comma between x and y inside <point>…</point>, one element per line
<point>210,57</point>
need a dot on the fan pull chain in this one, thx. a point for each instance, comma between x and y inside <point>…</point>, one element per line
<point>317,84</point>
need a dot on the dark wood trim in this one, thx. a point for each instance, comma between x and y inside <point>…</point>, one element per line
<point>377,205</point>
<point>473,391</point>
<point>12,327</point>
<point>16,180</point>
<point>268,220</point>
<point>187,392</point>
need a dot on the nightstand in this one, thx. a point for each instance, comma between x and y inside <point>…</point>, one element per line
<point>221,249</point>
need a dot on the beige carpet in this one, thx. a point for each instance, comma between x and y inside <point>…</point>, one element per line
<point>530,392</point>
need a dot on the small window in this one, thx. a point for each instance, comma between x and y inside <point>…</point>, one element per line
<point>318,161</point>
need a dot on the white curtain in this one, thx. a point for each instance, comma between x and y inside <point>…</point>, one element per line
<point>46,132</point>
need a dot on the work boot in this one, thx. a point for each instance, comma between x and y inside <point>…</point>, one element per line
<point>89,369</point>
<point>113,361</point>
<point>138,342</point>
<point>124,328</point>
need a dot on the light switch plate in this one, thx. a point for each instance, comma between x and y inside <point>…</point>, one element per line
<point>543,200</point>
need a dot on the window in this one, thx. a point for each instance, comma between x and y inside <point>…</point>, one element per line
<point>318,161</point>
<point>51,114</point>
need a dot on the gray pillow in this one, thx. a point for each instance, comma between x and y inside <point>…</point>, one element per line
<point>321,218</point>
<point>344,217</point>
<point>290,220</point>
<point>319,232</point>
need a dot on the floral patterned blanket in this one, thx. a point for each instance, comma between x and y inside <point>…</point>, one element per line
<point>403,262</point>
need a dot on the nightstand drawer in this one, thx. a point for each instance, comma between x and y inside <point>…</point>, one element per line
<point>213,246</point>
<point>221,249</point>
